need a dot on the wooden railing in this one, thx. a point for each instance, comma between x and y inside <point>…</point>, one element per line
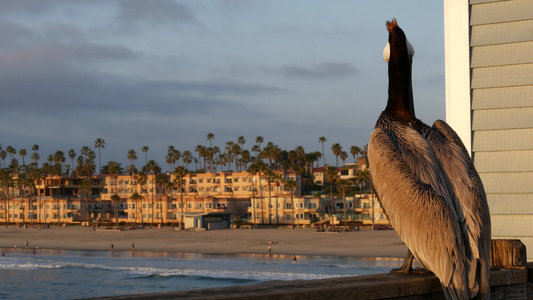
<point>510,278</point>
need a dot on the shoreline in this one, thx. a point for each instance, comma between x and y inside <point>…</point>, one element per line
<point>308,242</point>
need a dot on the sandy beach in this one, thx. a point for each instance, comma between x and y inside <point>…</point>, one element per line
<point>364,243</point>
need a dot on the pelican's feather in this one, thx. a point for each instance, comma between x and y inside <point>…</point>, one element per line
<point>471,195</point>
<point>418,204</point>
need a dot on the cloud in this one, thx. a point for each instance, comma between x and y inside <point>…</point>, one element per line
<point>320,71</point>
<point>157,12</point>
<point>11,33</point>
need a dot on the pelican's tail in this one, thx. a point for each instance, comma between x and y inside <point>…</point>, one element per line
<point>457,288</point>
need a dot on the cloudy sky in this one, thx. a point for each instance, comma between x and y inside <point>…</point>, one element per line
<point>168,72</point>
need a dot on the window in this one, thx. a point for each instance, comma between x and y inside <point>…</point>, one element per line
<point>344,172</point>
<point>288,205</point>
<point>198,205</point>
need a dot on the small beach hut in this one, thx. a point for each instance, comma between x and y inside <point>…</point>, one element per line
<point>207,221</point>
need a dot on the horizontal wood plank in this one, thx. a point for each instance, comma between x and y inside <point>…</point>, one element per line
<point>501,11</point>
<point>380,286</point>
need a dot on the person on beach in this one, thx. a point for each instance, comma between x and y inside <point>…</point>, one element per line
<point>294,259</point>
<point>270,248</point>
<point>132,247</point>
<point>112,247</point>
<point>26,244</point>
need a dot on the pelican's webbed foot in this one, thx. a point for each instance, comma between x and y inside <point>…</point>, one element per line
<point>407,263</point>
<point>407,266</point>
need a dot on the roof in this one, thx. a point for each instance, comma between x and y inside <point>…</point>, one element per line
<point>197,214</point>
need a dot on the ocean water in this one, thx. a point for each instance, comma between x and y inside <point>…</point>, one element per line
<point>83,274</point>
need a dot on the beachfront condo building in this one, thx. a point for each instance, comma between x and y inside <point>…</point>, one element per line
<point>134,199</point>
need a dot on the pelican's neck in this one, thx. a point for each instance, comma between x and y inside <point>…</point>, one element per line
<point>400,103</point>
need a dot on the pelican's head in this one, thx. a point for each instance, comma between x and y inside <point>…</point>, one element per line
<point>386,52</point>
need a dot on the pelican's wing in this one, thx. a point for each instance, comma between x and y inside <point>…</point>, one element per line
<point>423,217</point>
<point>471,195</point>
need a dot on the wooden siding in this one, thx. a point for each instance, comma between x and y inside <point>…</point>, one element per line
<point>503,97</point>
<point>503,140</point>
<point>521,225</point>
<point>502,54</point>
<point>511,182</point>
<point>501,33</point>
<point>501,68</point>
<point>499,12</point>
<point>510,204</point>
<point>504,161</point>
<point>501,76</point>
<point>507,118</point>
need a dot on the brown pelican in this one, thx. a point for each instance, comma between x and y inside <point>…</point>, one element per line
<point>428,186</point>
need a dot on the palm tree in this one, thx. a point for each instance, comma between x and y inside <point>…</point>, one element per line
<point>236,150</point>
<point>22,154</point>
<point>322,140</point>
<point>132,155</point>
<point>144,150</point>
<point>72,155</point>
<point>354,150</point>
<point>85,187</point>
<point>277,178</point>
<point>344,185</point>
<point>171,185</point>
<point>141,178</point>
<point>180,172</point>
<point>85,151</point>
<point>209,137</point>
<point>7,181</point>
<point>58,158</point>
<point>161,180</point>
<point>331,175</point>
<point>115,170</point>
<point>259,140</point>
<point>135,197</point>
<point>99,143</point>
<point>241,140</point>
<point>11,151</point>
<point>269,176</point>
<point>187,158</point>
<point>343,157</point>
<point>291,185</point>
<point>198,149</point>
<point>3,155</point>
<point>116,199</point>
<point>35,157</point>
<point>337,149</point>
<point>256,168</point>
<point>245,155</point>
<point>154,168</point>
